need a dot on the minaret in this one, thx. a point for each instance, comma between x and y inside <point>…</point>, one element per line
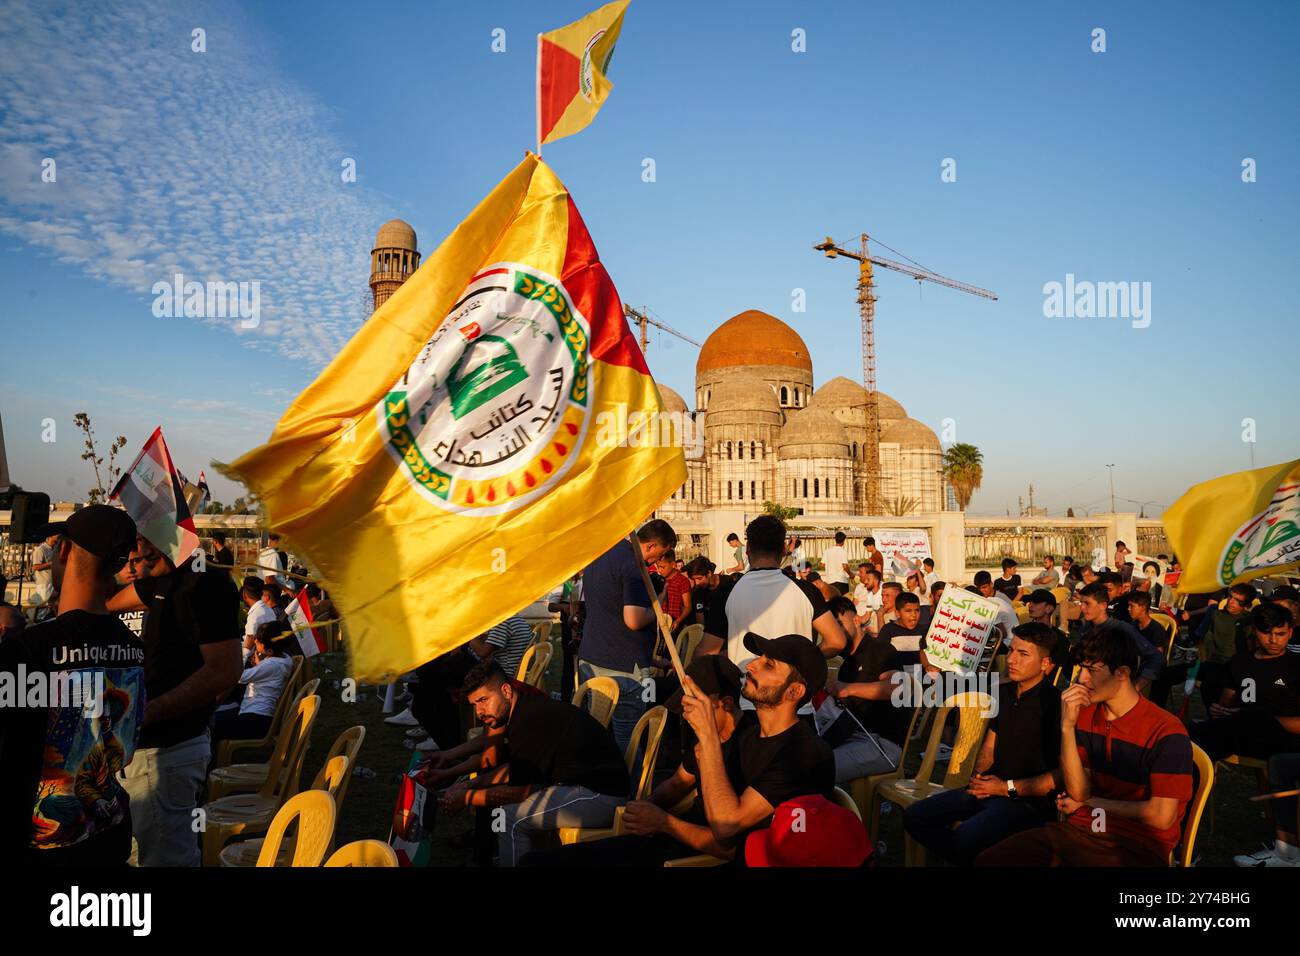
<point>393,260</point>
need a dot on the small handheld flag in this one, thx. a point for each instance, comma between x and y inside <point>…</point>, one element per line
<point>151,491</point>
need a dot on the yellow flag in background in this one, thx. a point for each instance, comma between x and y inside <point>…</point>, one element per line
<point>571,65</point>
<point>1236,528</point>
<point>469,448</point>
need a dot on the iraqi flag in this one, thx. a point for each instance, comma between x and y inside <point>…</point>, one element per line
<point>152,492</point>
<point>299,613</point>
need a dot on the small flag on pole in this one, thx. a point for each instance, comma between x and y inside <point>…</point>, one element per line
<point>571,65</point>
<point>151,492</point>
<point>1237,527</point>
<point>299,614</point>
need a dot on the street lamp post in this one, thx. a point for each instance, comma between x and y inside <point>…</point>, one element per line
<point>1111,469</point>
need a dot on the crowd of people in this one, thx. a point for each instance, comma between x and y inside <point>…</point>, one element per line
<point>793,692</point>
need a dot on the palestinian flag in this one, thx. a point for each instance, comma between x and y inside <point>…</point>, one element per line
<point>486,434</point>
<point>151,492</point>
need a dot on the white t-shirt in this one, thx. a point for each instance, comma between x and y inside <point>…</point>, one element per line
<point>1006,613</point>
<point>835,558</point>
<point>865,600</point>
<point>931,580</point>
<point>771,605</point>
<point>44,590</point>
<point>259,614</point>
<point>267,559</point>
<point>265,681</point>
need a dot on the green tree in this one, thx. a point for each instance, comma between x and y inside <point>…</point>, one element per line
<point>963,468</point>
<point>780,512</point>
<point>901,506</point>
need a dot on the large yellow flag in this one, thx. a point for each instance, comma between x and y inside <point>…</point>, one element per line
<point>469,448</point>
<point>571,65</point>
<point>1236,528</point>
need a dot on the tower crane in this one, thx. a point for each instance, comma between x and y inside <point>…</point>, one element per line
<point>867,310</point>
<point>642,318</point>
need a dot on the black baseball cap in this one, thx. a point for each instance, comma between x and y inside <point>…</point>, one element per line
<point>106,532</point>
<point>1042,596</point>
<point>797,651</point>
<point>714,674</point>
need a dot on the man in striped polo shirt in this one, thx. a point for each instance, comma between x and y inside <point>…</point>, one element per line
<point>1126,771</point>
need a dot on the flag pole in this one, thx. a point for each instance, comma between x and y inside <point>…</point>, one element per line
<point>659,614</point>
<point>539,97</point>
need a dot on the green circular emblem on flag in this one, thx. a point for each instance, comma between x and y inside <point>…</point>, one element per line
<point>495,407</point>
<point>1268,540</point>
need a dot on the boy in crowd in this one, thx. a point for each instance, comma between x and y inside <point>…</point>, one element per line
<point>1222,635</point>
<point>1013,784</point>
<point>1009,583</point>
<point>1126,767</point>
<point>1096,618</point>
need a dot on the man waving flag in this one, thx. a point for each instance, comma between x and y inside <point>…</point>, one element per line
<point>151,493</point>
<point>571,65</point>
<point>481,438</point>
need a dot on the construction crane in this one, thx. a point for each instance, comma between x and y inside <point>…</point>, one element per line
<point>643,321</point>
<point>867,310</point>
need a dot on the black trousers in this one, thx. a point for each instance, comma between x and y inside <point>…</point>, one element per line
<point>624,851</point>
<point>1247,733</point>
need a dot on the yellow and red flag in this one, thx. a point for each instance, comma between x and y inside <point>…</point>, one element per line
<point>571,65</point>
<point>454,462</point>
<point>1232,529</point>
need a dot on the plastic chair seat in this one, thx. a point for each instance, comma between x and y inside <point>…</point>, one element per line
<point>240,808</point>
<point>246,852</point>
<point>236,778</point>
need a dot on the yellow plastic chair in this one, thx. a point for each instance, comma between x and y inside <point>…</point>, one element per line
<point>251,813</point>
<point>646,735</point>
<point>841,798</point>
<point>1182,854</point>
<point>249,777</point>
<point>1022,613</point>
<point>604,692</point>
<point>1170,627</point>
<point>369,853</point>
<point>1061,593</point>
<point>542,631</point>
<point>333,778</point>
<point>314,813</point>
<point>532,666</point>
<point>688,643</point>
<point>863,789</point>
<point>289,698</point>
<point>972,708</point>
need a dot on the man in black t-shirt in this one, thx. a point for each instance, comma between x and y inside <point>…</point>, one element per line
<point>562,768</point>
<point>1258,714</point>
<point>63,747</point>
<point>653,833</point>
<point>781,757</point>
<point>192,658</point>
<point>1009,583</point>
<point>1012,786</point>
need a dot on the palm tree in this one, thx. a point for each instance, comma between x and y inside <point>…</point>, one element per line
<point>963,467</point>
<point>901,506</point>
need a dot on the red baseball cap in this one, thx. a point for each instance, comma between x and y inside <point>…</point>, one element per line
<point>809,831</point>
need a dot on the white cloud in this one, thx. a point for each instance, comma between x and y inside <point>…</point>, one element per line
<point>210,164</point>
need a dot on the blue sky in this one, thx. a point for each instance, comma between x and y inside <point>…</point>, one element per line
<point>1115,166</point>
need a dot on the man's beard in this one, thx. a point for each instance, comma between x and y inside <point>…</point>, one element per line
<point>762,697</point>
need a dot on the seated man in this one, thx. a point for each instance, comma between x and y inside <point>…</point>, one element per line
<point>1041,605</point>
<point>562,767</point>
<point>1096,618</point>
<point>652,832</point>
<point>1126,766</point>
<point>869,664</point>
<point>780,756</point>
<point>1012,787</point>
<point>1258,714</point>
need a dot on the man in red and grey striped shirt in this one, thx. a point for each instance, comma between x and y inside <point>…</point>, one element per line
<point>1126,771</point>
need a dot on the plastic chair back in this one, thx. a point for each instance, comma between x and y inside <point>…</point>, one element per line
<point>648,731</point>
<point>369,853</point>
<point>282,782</point>
<point>314,813</point>
<point>1182,854</point>
<point>688,643</point>
<point>601,695</point>
<point>335,773</point>
<point>533,665</point>
<point>1170,627</point>
<point>844,800</point>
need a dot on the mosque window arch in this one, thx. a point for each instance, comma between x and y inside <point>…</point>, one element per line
<point>816,487</point>
<point>728,491</point>
<point>740,450</point>
<point>752,497</point>
<point>785,395</point>
<point>728,454</point>
<point>752,446</point>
